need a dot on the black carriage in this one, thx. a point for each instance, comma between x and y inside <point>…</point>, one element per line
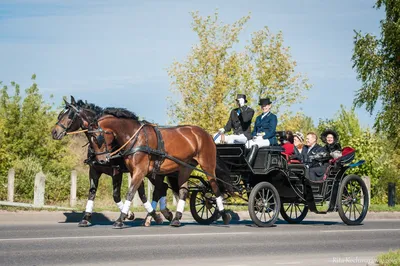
<point>275,184</point>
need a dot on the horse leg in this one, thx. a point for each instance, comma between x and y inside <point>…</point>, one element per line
<point>160,195</point>
<point>183,192</point>
<point>117,182</point>
<point>136,184</point>
<point>151,211</point>
<point>226,217</point>
<point>94,181</point>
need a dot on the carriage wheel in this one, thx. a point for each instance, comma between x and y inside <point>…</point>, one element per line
<point>264,204</point>
<point>203,207</point>
<point>353,200</point>
<point>294,213</point>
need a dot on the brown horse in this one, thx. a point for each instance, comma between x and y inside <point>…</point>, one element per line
<point>143,150</point>
<point>78,115</point>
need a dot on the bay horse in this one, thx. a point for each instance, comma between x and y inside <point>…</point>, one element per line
<point>143,146</point>
<point>78,115</point>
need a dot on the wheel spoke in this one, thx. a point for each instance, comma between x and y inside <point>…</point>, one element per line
<point>202,211</point>
<point>348,206</point>
<point>355,208</point>
<point>298,207</point>
<point>291,211</point>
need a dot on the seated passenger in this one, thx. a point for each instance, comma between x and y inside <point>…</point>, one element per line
<point>240,121</point>
<point>287,143</point>
<point>315,158</point>
<point>264,132</point>
<point>331,139</point>
<point>298,141</point>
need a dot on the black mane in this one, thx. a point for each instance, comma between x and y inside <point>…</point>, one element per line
<point>120,113</point>
<point>90,106</point>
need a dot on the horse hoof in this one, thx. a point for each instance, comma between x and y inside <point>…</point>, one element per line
<point>226,217</point>
<point>118,225</point>
<point>175,223</point>
<point>84,223</point>
<point>147,221</point>
<point>158,219</point>
<point>131,216</point>
<point>167,215</point>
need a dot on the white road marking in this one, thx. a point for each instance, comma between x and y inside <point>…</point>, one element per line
<point>359,230</point>
<point>288,263</point>
<point>119,236</point>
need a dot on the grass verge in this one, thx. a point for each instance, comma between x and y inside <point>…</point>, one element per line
<point>391,258</point>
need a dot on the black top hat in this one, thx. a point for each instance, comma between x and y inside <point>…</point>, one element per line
<point>327,132</point>
<point>265,101</point>
<point>241,96</point>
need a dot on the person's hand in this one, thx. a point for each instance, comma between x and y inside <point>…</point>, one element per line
<point>221,130</point>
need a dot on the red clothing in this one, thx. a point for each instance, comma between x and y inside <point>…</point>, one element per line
<point>289,148</point>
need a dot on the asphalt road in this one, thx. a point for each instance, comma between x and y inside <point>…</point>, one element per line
<point>310,243</point>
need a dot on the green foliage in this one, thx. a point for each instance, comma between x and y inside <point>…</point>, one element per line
<point>377,62</point>
<point>207,81</point>
<point>297,122</point>
<point>25,172</point>
<point>391,258</point>
<point>26,124</point>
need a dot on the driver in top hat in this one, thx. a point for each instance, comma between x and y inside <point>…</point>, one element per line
<point>264,132</point>
<point>239,121</point>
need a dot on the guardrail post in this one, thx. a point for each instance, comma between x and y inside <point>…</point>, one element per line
<point>38,196</point>
<point>10,185</point>
<point>367,181</point>
<point>72,199</point>
<point>391,194</point>
<point>149,190</point>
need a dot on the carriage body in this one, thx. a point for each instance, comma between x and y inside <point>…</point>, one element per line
<point>295,194</point>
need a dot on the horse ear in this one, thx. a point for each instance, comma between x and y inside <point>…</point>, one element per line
<point>65,100</point>
<point>73,100</point>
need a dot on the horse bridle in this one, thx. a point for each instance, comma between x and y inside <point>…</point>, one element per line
<point>100,140</point>
<point>75,114</point>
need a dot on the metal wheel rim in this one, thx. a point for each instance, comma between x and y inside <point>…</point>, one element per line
<point>265,205</point>
<point>204,206</point>
<point>353,200</point>
<point>293,208</point>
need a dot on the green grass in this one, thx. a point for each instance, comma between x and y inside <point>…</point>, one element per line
<point>384,208</point>
<point>391,258</point>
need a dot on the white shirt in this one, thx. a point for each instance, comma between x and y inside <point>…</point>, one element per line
<point>264,115</point>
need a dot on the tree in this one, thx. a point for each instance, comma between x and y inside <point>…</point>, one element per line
<point>207,81</point>
<point>377,62</point>
<point>297,122</point>
<point>26,141</point>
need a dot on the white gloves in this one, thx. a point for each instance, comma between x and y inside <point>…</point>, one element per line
<point>221,130</point>
<point>241,102</point>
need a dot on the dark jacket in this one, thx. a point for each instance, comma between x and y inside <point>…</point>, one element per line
<point>307,154</point>
<point>240,123</point>
<point>333,147</point>
<point>317,161</point>
<point>268,126</point>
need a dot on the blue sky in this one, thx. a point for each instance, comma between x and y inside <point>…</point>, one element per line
<point>115,53</point>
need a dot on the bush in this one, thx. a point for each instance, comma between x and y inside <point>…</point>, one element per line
<point>25,172</point>
<point>392,258</point>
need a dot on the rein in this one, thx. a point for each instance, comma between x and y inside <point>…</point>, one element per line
<point>77,132</point>
<point>126,143</point>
